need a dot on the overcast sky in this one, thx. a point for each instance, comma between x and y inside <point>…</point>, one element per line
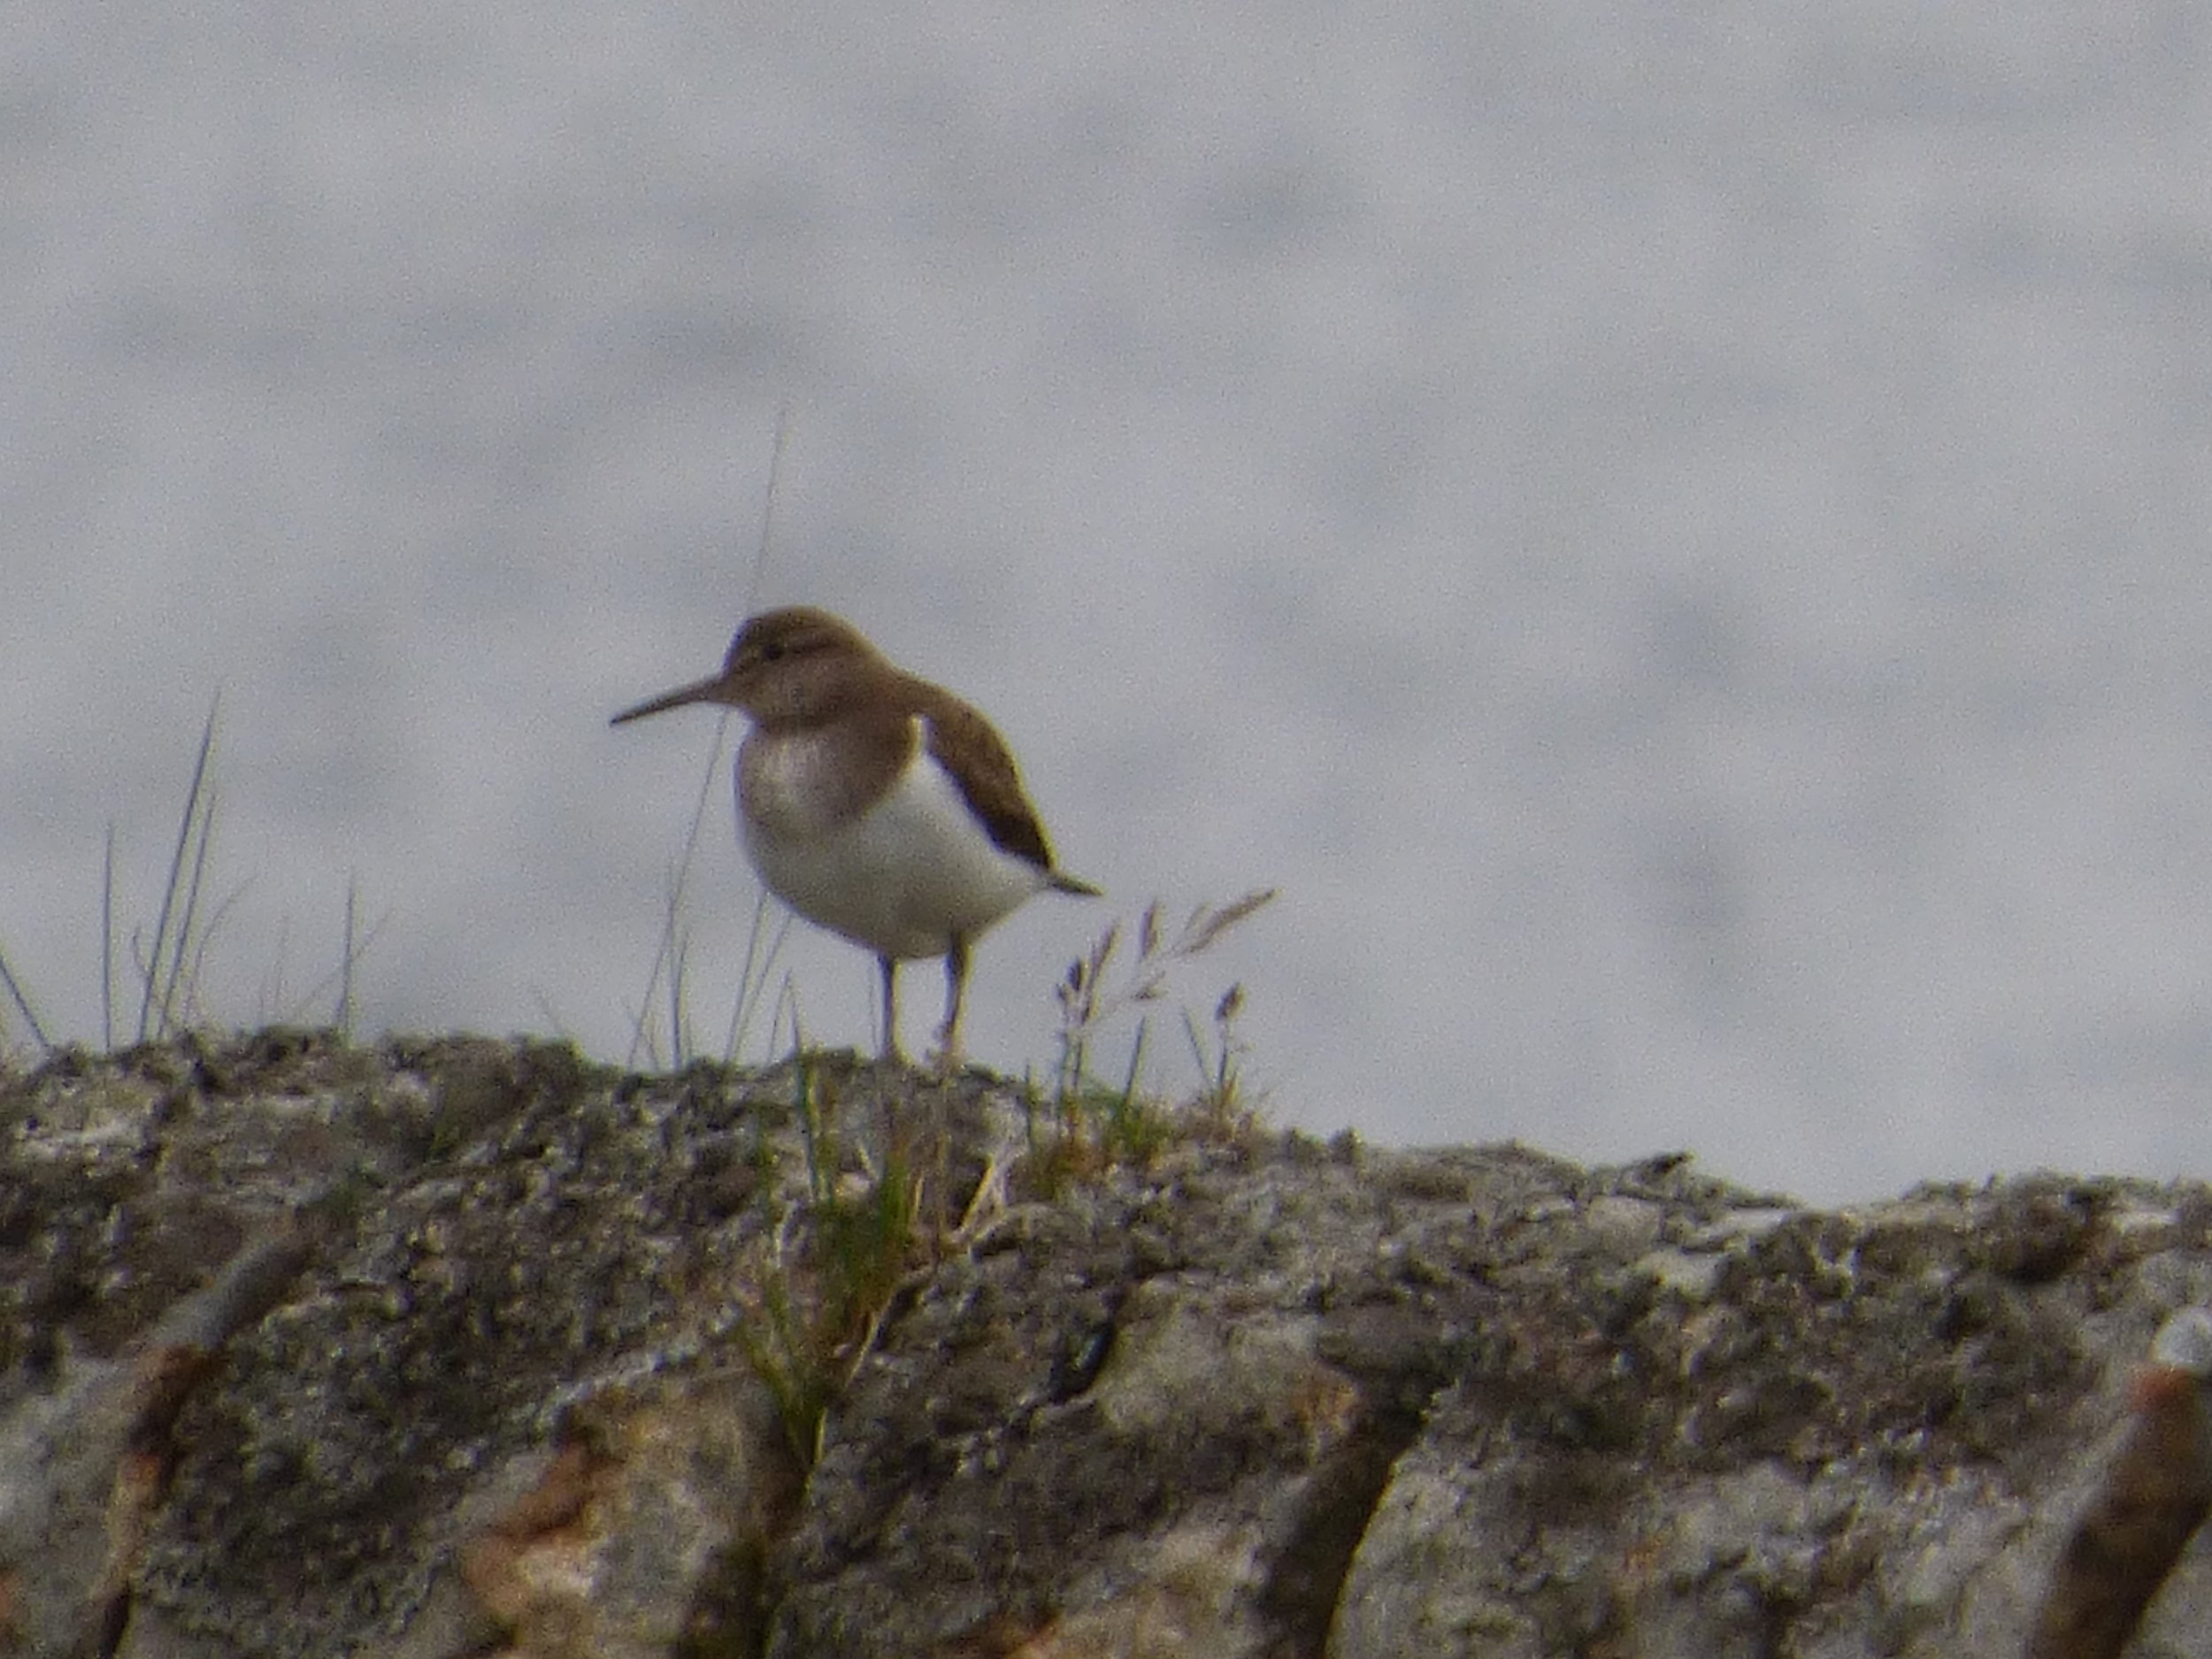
<point>1676,535</point>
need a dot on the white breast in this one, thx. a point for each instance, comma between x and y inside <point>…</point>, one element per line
<point>902,878</point>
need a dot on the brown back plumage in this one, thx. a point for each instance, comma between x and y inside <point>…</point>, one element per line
<point>963,742</point>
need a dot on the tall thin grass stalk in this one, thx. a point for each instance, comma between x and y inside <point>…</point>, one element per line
<point>752,976</point>
<point>335,990</point>
<point>107,944</point>
<point>187,945</point>
<point>181,898</point>
<point>665,965</point>
<point>678,960</point>
<point>1122,1116</point>
<point>171,965</point>
<point>343,1017</point>
<point>188,978</point>
<point>767,544</point>
<point>669,957</point>
<point>752,979</point>
<point>272,1003</point>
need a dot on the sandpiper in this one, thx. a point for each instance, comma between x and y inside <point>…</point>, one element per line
<point>872,802</point>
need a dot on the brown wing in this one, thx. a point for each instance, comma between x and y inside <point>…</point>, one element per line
<point>962,742</point>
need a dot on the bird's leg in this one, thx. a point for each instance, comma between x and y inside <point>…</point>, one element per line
<point>890,1008</point>
<point>956,990</point>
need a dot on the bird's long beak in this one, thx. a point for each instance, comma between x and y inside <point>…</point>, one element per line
<point>706,690</point>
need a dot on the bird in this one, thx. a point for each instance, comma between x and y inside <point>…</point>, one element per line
<point>874,804</point>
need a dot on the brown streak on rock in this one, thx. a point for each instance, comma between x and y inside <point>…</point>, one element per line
<point>506,1568</point>
<point>2159,1492</point>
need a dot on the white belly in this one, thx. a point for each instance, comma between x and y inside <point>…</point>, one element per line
<point>902,878</point>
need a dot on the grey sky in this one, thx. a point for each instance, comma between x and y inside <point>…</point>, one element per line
<point>1676,535</point>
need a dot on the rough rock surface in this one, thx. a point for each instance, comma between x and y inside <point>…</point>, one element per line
<point>460,1347</point>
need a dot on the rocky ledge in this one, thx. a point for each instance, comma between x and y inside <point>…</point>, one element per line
<point>456,1346</point>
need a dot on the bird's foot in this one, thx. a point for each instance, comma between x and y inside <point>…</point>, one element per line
<point>945,1057</point>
